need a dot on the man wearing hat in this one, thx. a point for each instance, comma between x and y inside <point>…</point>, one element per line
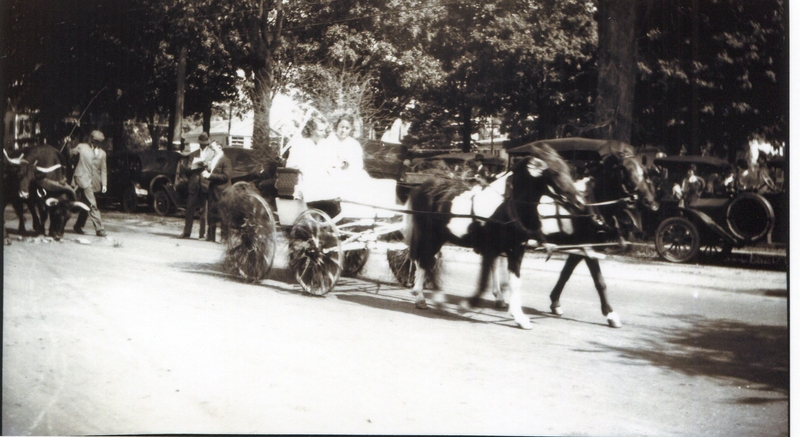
<point>198,185</point>
<point>90,176</point>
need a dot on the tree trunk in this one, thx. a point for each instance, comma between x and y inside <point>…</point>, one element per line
<point>177,121</point>
<point>616,27</point>
<point>262,101</point>
<point>466,127</point>
<point>207,118</point>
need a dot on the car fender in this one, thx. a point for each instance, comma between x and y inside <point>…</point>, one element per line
<point>703,220</point>
<point>158,181</point>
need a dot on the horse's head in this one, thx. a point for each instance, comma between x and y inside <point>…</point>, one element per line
<point>546,173</point>
<point>634,181</point>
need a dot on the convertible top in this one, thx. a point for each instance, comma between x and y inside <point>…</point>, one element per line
<point>687,160</point>
<point>568,146</point>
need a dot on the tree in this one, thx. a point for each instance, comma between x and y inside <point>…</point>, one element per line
<point>731,71</point>
<point>465,61</point>
<point>616,54</point>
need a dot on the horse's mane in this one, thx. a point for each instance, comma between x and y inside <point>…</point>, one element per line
<point>620,150</point>
<point>443,184</point>
<point>558,168</point>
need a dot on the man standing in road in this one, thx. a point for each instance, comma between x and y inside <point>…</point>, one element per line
<point>198,185</point>
<point>218,177</point>
<point>90,176</point>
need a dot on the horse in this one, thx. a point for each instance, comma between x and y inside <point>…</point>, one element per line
<point>614,189</point>
<point>493,220</point>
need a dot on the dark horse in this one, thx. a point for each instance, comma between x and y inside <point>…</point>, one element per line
<point>614,188</point>
<point>494,220</point>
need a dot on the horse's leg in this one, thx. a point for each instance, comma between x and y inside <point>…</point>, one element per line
<point>500,283</point>
<point>487,264</point>
<point>515,286</point>
<point>600,284</point>
<point>39,216</point>
<point>419,285</point>
<point>566,272</point>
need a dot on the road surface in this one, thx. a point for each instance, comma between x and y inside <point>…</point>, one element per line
<point>143,333</point>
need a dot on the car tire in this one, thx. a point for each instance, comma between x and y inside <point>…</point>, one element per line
<point>129,202</point>
<point>750,217</point>
<point>677,240</point>
<point>162,204</point>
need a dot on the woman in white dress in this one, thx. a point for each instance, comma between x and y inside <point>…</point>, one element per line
<point>315,160</point>
<point>351,180</point>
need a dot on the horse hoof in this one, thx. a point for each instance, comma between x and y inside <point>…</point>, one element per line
<point>439,300</point>
<point>523,322</point>
<point>613,320</point>
<point>556,309</point>
<point>501,305</point>
<point>464,306</point>
<point>421,305</point>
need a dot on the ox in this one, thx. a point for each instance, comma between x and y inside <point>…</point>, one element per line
<point>496,220</point>
<point>40,180</point>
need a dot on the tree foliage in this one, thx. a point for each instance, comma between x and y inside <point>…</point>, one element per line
<point>736,65</point>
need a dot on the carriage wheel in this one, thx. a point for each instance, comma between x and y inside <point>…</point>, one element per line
<point>405,271</point>
<point>315,252</point>
<point>677,240</point>
<point>251,246</point>
<point>354,261</point>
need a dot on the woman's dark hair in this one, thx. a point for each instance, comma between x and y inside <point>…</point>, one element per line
<point>347,117</point>
<point>311,126</point>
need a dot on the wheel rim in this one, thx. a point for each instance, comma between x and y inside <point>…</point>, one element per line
<point>315,252</point>
<point>354,261</point>
<point>251,244</point>
<point>402,267</point>
<point>716,251</point>
<point>161,203</point>
<point>676,242</point>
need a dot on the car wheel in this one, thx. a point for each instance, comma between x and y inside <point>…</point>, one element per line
<point>129,201</point>
<point>677,240</point>
<point>162,204</point>
<point>750,217</point>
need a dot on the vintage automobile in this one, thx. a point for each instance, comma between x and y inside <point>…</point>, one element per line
<point>458,165</point>
<point>723,217</point>
<point>133,176</point>
<point>166,199</point>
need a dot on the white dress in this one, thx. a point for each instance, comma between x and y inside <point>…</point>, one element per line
<point>352,183</point>
<point>316,164</point>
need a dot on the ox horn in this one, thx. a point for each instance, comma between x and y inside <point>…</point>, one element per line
<point>16,161</point>
<point>81,205</point>
<point>51,201</point>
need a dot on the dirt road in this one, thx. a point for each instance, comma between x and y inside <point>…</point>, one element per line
<point>144,333</point>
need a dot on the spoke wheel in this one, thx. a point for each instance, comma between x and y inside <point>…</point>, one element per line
<point>251,241</point>
<point>405,271</point>
<point>315,252</point>
<point>717,251</point>
<point>354,261</point>
<point>677,240</point>
<point>161,203</point>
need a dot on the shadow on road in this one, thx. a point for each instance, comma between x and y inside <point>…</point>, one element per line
<point>723,349</point>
